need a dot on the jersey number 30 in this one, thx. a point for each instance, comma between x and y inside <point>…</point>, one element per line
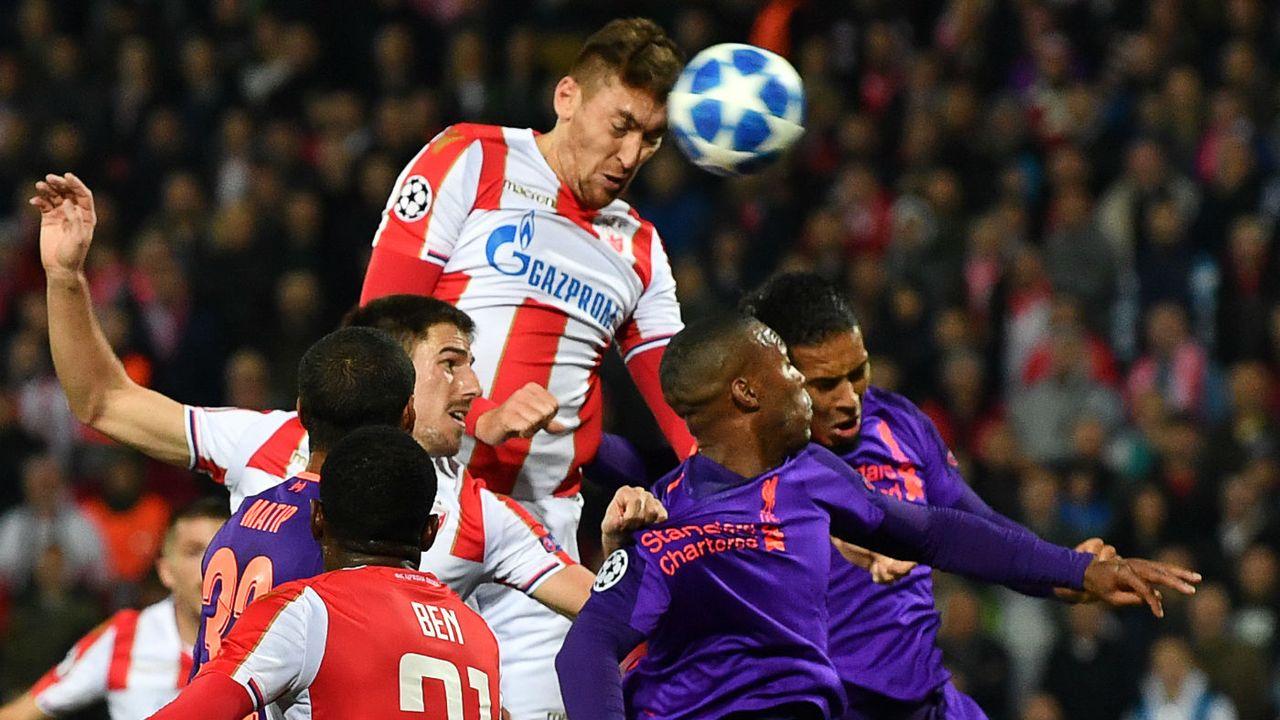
<point>236,590</point>
<point>414,668</point>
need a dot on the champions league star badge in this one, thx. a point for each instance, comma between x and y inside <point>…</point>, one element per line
<point>614,567</point>
<point>414,200</point>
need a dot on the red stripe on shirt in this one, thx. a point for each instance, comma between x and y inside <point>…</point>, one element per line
<point>468,543</point>
<point>642,250</point>
<point>184,669</point>
<point>433,163</point>
<point>567,206</point>
<point>77,651</point>
<point>126,624</point>
<point>493,170</point>
<point>537,528</point>
<point>451,286</point>
<point>586,439</point>
<point>274,455</point>
<point>529,356</point>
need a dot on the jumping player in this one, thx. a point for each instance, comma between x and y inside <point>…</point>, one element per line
<point>251,451</point>
<point>139,659</point>
<point>730,591</point>
<point>527,234</point>
<point>882,637</point>
<point>348,379</point>
<point>371,638</point>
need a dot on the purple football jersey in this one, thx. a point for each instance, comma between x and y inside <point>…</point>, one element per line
<point>729,591</point>
<point>267,542</point>
<point>883,637</point>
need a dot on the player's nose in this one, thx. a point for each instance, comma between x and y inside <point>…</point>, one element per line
<point>629,151</point>
<point>467,383</point>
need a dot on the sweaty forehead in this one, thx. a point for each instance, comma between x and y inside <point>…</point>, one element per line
<point>443,337</point>
<point>627,103</point>
<point>836,356</point>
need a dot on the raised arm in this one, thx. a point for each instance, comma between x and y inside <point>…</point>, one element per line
<point>99,391</point>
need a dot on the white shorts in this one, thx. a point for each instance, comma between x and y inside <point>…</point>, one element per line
<point>529,633</point>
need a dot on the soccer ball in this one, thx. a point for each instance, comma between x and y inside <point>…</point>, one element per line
<point>735,108</point>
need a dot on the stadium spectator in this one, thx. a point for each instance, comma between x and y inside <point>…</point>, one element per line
<point>1089,672</point>
<point>1177,688</point>
<point>1128,109</point>
<point>48,516</point>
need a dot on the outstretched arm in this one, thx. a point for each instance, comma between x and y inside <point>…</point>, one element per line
<point>963,543</point>
<point>99,391</point>
<point>22,707</point>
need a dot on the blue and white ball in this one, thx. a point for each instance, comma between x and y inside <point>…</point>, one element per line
<point>735,108</point>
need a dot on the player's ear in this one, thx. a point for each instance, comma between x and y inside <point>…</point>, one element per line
<point>567,98</point>
<point>165,573</point>
<point>317,520</point>
<point>408,417</point>
<point>429,530</point>
<point>744,396</point>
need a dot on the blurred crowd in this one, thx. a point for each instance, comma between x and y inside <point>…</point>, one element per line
<point>1056,220</point>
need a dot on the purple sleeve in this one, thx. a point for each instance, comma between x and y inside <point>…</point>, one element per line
<point>625,604</point>
<point>947,488</point>
<point>617,464</point>
<point>959,542</point>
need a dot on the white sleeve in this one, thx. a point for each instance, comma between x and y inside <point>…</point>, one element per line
<point>216,435</point>
<point>81,678</point>
<point>657,314</point>
<point>275,649</point>
<point>519,551</point>
<point>432,198</point>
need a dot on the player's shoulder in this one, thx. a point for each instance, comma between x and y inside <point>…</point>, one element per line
<point>466,133</point>
<point>902,415</point>
<point>816,460</point>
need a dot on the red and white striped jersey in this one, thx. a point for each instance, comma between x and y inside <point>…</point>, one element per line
<point>549,284</point>
<point>368,642</point>
<point>483,537</point>
<point>135,661</point>
<point>246,450</point>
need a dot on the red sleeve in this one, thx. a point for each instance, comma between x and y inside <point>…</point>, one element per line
<point>644,371</point>
<point>393,273</point>
<point>479,406</point>
<point>212,696</point>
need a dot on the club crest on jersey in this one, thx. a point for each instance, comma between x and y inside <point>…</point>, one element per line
<point>415,199</point>
<point>508,251</point>
<point>614,567</point>
<point>550,545</point>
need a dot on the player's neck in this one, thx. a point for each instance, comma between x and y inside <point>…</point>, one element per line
<point>342,560</point>
<point>187,625</point>
<point>741,453</point>
<point>550,144</point>
<point>316,461</point>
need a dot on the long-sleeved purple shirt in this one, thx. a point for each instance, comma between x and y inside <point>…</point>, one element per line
<point>883,637</point>
<point>730,592</point>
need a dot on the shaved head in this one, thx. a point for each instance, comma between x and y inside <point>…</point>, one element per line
<point>704,359</point>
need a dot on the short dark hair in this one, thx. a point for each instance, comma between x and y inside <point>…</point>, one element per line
<point>408,318</point>
<point>803,308</point>
<point>350,378</point>
<point>635,50</point>
<point>207,508</point>
<point>697,357</point>
<point>379,486</point>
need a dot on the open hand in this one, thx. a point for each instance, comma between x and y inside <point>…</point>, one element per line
<point>67,219</point>
<point>1121,582</point>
